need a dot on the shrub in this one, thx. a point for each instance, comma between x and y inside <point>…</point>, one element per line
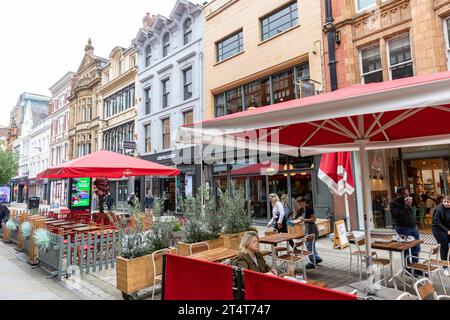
<point>232,207</point>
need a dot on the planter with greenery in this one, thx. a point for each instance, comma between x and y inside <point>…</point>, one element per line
<point>136,243</point>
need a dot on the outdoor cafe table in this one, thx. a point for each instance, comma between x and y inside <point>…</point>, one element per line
<point>382,293</point>
<point>216,255</point>
<point>394,246</point>
<point>53,222</point>
<point>60,224</point>
<point>76,225</point>
<point>86,229</point>
<point>277,238</point>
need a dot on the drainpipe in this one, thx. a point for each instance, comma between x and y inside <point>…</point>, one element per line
<point>330,29</point>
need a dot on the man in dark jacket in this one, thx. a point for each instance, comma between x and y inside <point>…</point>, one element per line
<point>404,218</point>
<point>4,214</point>
<point>149,202</point>
<point>109,200</point>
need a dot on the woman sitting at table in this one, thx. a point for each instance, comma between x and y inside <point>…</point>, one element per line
<point>249,256</point>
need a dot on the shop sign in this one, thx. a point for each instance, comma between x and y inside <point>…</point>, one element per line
<point>129,145</point>
<point>166,157</point>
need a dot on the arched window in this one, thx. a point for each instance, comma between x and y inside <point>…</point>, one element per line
<point>148,55</point>
<point>187,31</point>
<point>166,44</point>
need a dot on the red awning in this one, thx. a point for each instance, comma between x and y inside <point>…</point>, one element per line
<point>109,165</point>
<point>406,112</point>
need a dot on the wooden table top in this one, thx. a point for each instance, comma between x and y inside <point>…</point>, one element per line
<point>216,255</point>
<point>395,246</point>
<point>52,222</point>
<point>103,232</point>
<point>59,224</point>
<point>279,237</point>
<point>75,225</point>
<point>86,228</point>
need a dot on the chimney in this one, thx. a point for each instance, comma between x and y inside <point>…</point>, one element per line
<point>148,21</point>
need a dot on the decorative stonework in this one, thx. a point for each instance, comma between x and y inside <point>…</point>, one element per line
<point>381,19</point>
<point>440,3</point>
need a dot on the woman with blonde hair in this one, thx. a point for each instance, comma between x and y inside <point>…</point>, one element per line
<point>249,256</point>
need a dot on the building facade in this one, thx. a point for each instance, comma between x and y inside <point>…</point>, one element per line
<point>59,135</point>
<point>170,90</point>
<point>27,118</point>
<point>381,40</point>
<point>4,132</point>
<point>255,56</point>
<point>84,119</point>
<point>117,104</point>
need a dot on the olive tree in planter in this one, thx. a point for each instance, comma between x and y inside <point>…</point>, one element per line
<point>202,222</point>
<point>236,219</point>
<point>134,267</point>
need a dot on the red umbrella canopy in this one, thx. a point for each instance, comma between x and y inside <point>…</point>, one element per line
<point>109,165</point>
<point>336,172</point>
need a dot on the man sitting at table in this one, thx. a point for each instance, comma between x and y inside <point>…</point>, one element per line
<point>404,220</point>
<point>249,256</point>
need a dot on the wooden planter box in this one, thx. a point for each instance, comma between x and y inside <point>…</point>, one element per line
<point>232,240</point>
<point>135,274</point>
<point>183,248</point>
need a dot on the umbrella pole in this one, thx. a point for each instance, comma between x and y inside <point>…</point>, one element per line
<point>364,170</point>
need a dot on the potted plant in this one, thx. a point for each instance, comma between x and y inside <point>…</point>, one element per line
<point>202,222</point>
<point>236,219</point>
<point>136,243</point>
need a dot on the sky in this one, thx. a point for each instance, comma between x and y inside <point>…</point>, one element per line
<point>41,40</point>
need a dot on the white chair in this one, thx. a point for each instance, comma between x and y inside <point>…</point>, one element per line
<point>427,265</point>
<point>405,296</point>
<point>157,259</point>
<point>198,247</point>
<point>425,291</point>
<point>301,250</point>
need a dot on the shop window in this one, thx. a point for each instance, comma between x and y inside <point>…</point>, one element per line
<point>166,133</point>
<point>447,38</point>
<point>400,59</point>
<point>188,117</point>
<point>279,21</point>
<point>234,101</point>
<point>187,31</point>
<point>187,83</point>
<point>365,4</point>
<point>257,94</point>
<point>122,190</point>
<point>371,65</point>
<point>283,87</point>
<point>230,46</point>
<point>148,137</point>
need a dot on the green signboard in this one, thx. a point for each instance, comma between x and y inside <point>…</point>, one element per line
<point>80,193</point>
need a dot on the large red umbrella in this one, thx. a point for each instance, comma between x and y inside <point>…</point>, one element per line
<point>336,172</point>
<point>108,165</point>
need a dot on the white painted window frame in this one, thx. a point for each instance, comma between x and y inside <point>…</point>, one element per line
<point>447,41</point>
<point>358,10</point>
<point>389,55</point>
<point>361,63</point>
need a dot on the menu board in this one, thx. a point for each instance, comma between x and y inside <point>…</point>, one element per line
<point>80,193</point>
<point>5,194</point>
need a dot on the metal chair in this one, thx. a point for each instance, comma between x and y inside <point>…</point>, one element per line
<point>198,247</point>
<point>301,250</point>
<point>157,260</point>
<point>405,296</point>
<point>427,266</point>
<point>425,290</point>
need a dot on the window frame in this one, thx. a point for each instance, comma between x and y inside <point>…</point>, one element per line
<point>187,31</point>
<point>191,111</point>
<point>148,56</point>
<point>388,53</point>
<point>240,37</point>
<point>164,134</point>
<point>274,12</point>
<point>186,84</point>
<point>165,47</point>
<point>361,67</point>
<point>148,138</point>
<point>165,92</point>
<point>148,100</point>
<point>447,39</point>
<point>358,10</point>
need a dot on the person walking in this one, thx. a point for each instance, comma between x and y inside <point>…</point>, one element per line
<point>132,200</point>
<point>306,212</point>
<point>279,218</point>
<point>109,201</point>
<point>149,203</point>
<point>404,220</point>
<point>441,228</point>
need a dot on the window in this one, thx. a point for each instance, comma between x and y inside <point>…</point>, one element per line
<point>148,55</point>
<point>120,101</point>
<point>188,117</point>
<point>283,87</point>
<point>187,83</point>
<point>122,187</point>
<point>364,4</point>
<point>400,60</point>
<point>219,103</point>
<point>279,21</point>
<point>166,92</point>
<point>120,66</point>
<point>166,133</point>
<point>234,101</point>
<point>257,94</point>
<point>230,46</point>
<point>187,35</point>
<point>166,44</point>
<point>447,38</point>
<point>148,137</point>
<point>148,100</point>
<point>371,68</point>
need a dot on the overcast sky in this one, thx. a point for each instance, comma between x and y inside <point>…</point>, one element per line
<point>41,40</point>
